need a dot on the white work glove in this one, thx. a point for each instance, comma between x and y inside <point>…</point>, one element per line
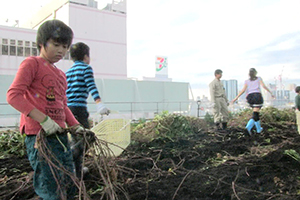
<point>50,127</point>
<point>102,109</point>
<point>213,104</point>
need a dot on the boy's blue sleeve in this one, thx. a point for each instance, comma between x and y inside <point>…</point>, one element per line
<point>90,83</point>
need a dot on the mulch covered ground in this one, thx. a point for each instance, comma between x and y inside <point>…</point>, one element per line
<point>207,165</point>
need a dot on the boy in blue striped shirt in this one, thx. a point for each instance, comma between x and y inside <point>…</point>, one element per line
<point>81,82</point>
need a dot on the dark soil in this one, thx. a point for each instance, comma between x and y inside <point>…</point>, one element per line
<point>209,165</point>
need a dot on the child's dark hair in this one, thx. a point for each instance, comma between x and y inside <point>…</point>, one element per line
<point>218,71</point>
<point>55,30</point>
<point>252,74</point>
<point>297,89</point>
<point>79,50</point>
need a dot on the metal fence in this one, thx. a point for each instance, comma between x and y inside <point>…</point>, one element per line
<point>9,117</point>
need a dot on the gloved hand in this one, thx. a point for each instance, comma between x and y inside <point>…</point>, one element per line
<point>102,109</point>
<point>78,132</point>
<point>213,104</point>
<point>50,127</point>
<point>77,129</point>
<point>81,138</point>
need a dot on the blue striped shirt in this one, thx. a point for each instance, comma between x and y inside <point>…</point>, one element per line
<point>81,82</point>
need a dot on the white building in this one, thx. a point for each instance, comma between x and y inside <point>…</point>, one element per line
<point>104,31</point>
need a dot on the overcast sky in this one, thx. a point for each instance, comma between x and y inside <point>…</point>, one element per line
<point>199,36</point>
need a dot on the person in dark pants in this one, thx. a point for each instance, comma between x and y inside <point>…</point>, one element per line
<point>81,83</point>
<point>254,98</point>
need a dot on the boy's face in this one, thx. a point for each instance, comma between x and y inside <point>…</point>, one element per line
<point>86,59</point>
<point>219,76</point>
<point>54,51</point>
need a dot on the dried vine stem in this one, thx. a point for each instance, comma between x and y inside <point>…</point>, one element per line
<point>105,162</point>
<point>235,194</point>
<point>233,182</point>
<point>103,159</point>
<point>180,184</point>
<point>51,160</point>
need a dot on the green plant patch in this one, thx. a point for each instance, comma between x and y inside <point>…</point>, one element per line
<point>12,143</point>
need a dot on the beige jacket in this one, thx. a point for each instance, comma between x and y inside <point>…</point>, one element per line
<point>217,90</point>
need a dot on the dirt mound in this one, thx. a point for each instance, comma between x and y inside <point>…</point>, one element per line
<point>215,166</point>
<point>203,165</point>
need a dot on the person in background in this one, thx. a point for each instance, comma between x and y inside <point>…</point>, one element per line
<point>80,79</point>
<point>219,101</point>
<point>38,92</point>
<point>254,98</point>
<point>297,105</point>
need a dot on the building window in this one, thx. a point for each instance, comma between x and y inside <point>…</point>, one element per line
<point>20,51</point>
<point>20,43</point>
<point>5,41</point>
<point>4,50</point>
<point>13,42</point>
<point>27,43</point>
<point>12,50</point>
<point>27,51</point>
<point>34,52</point>
<point>18,47</point>
<point>4,47</point>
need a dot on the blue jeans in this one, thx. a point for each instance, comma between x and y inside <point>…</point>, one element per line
<point>44,182</point>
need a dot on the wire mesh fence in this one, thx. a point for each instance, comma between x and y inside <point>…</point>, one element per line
<point>135,111</point>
